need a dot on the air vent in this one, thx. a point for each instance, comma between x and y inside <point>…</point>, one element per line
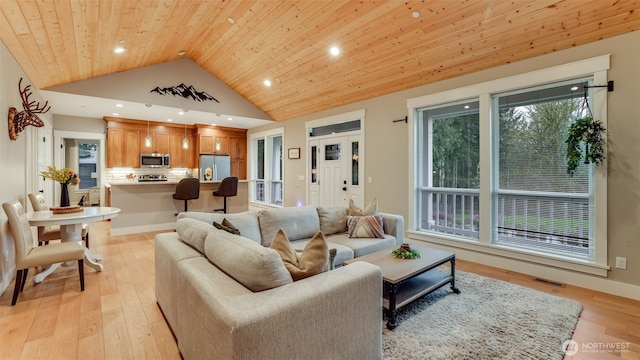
<point>549,282</point>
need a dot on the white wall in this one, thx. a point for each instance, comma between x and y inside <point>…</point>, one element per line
<point>13,156</point>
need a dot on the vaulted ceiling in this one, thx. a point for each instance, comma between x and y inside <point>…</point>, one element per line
<point>386,46</point>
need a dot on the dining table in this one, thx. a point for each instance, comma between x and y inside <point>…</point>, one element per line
<point>71,230</point>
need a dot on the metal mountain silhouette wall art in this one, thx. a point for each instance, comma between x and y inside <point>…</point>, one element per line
<point>187,92</point>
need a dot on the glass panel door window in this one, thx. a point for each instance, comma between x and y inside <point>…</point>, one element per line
<point>87,165</point>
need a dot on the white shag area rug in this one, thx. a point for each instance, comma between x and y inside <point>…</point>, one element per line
<point>489,319</point>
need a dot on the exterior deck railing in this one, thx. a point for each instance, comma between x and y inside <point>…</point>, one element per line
<point>549,222</point>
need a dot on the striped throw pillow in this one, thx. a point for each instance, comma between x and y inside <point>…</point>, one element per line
<point>365,226</point>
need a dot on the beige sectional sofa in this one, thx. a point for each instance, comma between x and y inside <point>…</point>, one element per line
<point>230,297</point>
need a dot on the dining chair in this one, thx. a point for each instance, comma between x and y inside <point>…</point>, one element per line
<point>28,256</point>
<point>47,233</point>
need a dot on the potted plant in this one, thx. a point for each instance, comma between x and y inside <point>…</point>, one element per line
<point>591,132</point>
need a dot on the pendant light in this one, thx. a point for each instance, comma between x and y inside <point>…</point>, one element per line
<point>147,140</point>
<point>185,141</point>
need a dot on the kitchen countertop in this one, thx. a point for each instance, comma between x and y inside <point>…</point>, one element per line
<point>135,182</point>
<point>153,208</point>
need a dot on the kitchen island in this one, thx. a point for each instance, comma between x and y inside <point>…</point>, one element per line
<point>150,206</point>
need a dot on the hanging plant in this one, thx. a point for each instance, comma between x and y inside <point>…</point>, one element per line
<point>591,132</point>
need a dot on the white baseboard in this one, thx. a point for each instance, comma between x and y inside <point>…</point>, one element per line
<point>142,228</point>
<point>545,272</point>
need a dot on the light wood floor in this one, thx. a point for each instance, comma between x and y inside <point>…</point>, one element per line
<point>116,317</point>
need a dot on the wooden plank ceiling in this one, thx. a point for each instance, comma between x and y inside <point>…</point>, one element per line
<point>384,47</point>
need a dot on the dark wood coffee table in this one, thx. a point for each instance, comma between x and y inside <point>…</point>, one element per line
<point>405,280</point>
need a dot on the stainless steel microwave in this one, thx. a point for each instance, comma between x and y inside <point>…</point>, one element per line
<point>154,160</point>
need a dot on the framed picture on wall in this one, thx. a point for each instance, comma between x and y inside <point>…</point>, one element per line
<point>294,153</point>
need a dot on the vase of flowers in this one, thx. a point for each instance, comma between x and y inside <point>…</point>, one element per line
<point>65,177</point>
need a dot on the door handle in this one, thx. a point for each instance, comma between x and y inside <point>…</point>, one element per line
<point>344,188</point>
<point>41,191</point>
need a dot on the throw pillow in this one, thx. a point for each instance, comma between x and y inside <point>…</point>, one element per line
<point>313,260</point>
<point>254,266</point>
<point>371,209</point>
<point>333,219</point>
<point>365,227</point>
<point>227,226</point>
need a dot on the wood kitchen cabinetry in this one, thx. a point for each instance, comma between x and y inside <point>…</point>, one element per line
<point>122,148</point>
<point>225,141</point>
<point>159,142</point>
<point>238,154</point>
<point>214,144</point>
<point>182,158</point>
<point>125,142</point>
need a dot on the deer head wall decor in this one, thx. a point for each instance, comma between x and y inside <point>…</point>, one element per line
<point>19,120</point>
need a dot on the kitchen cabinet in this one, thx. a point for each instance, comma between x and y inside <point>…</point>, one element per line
<point>182,158</point>
<point>238,147</point>
<point>122,148</point>
<point>238,155</point>
<point>213,144</point>
<point>159,142</point>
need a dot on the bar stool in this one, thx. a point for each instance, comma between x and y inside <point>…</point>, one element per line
<point>187,189</point>
<point>228,187</point>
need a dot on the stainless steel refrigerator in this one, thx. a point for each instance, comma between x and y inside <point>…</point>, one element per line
<point>214,167</point>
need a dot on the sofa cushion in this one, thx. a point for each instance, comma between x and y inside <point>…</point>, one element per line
<point>246,222</point>
<point>193,232</point>
<point>313,260</point>
<point>297,222</point>
<point>365,226</point>
<point>249,263</point>
<point>371,209</point>
<point>363,246</point>
<point>333,219</point>
<point>343,253</point>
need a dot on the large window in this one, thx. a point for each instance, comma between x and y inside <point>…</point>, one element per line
<point>537,204</point>
<point>491,170</point>
<point>450,178</point>
<point>266,171</point>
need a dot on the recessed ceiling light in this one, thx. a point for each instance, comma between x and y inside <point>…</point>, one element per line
<point>181,53</point>
<point>416,14</point>
<point>230,118</point>
<point>574,88</point>
<point>213,124</point>
<point>119,105</point>
<point>267,83</point>
<point>116,114</point>
<point>466,106</point>
<point>169,120</point>
<point>118,50</point>
<point>335,51</point>
<point>230,19</point>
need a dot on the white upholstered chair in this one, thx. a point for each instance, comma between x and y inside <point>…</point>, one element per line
<point>47,233</point>
<point>28,256</point>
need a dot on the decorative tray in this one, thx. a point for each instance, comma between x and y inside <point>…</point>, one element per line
<point>66,209</point>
